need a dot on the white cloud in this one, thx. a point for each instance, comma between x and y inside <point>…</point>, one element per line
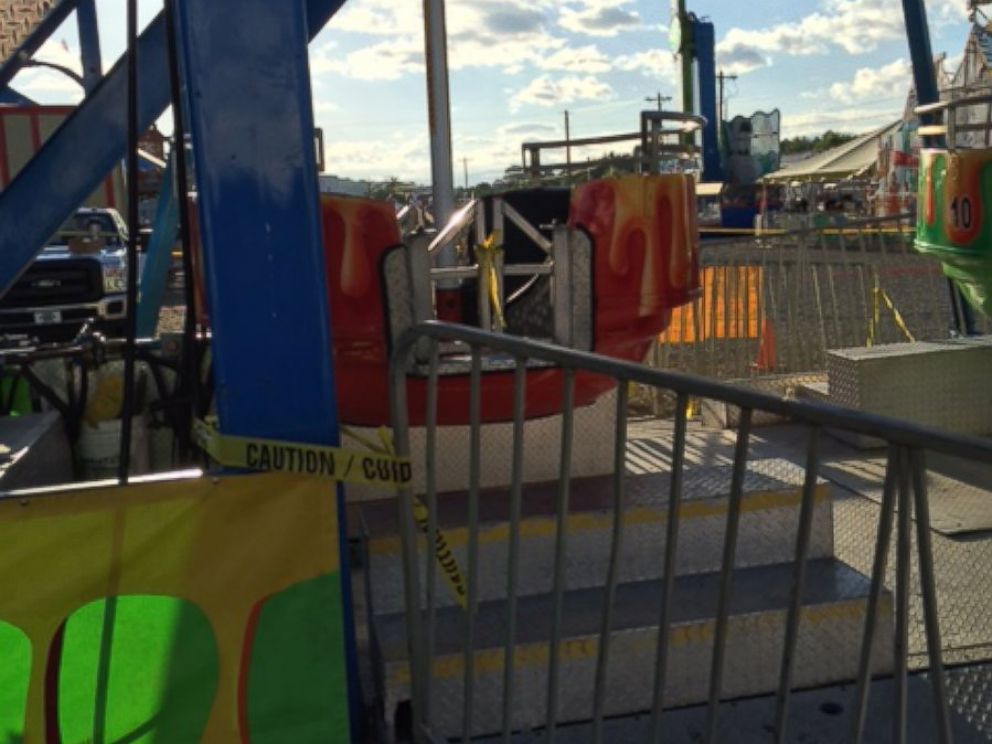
<point>546,91</point>
<point>854,26</point>
<point>740,58</point>
<point>377,159</point>
<point>598,17</point>
<point>855,120</point>
<point>508,34</point>
<point>386,60</point>
<point>652,63</point>
<point>576,59</point>
<point>379,17</point>
<point>892,80</point>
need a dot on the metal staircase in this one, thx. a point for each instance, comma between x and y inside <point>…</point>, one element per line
<point>833,604</point>
<point>623,605</point>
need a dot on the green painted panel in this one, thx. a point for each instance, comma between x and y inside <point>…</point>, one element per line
<point>967,261</point>
<point>136,669</point>
<point>15,673</point>
<point>297,683</point>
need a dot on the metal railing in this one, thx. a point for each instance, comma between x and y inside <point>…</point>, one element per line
<point>905,488</point>
<point>468,225</point>
<point>947,127</point>
<point>657,130</point>
<point>777,304</point>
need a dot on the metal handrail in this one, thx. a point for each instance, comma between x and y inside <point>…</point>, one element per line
<point>905,473</point>
<point>898,432</point>
<point>459,221</point>
<point>949,127</point>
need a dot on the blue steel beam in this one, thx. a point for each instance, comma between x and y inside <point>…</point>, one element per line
<point>704,48</point>
<point>38,36</point>
<point>89,145</point>
<point>89,43</point>
<point>248,100</point>
<point>251,125</point>
<point>918,35</point>
<point>78,156</point>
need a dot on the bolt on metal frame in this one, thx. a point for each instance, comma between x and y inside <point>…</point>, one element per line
<point>904,488</point>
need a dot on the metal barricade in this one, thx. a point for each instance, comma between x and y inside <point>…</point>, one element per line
<point>904,491</point>
<point>777,304</point>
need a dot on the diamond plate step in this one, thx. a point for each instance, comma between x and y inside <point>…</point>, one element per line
<point>17,19</point>
<point>820,716</point>
<point>829,640</point>
<point>770,509</point>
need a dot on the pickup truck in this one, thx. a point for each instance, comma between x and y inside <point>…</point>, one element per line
<point>79,277</point>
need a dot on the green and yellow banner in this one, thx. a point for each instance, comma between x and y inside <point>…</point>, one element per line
<point>204,610</point>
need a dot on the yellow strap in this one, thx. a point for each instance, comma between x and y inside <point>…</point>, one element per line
<point>421,515</point>
<point>897,317</point>
<point>880,297</point>
<point>316,461</point>
<point>486,253</point>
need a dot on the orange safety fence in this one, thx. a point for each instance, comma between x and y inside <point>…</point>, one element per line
<point>729,307</point>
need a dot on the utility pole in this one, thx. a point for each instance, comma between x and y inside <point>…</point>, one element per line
<point>465,166</point>
<point>659,98</point>
<point>568,145</point>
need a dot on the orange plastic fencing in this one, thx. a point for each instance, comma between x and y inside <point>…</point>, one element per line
<point>729,308</point>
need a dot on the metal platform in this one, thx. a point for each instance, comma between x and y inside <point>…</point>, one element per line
<point>829,639</point>
<point>821,716</point>
<point>34,451</point>
<point>772,491</point>
<point>17,19</point>
<point>963,565</point>
<point>591,453</point>
<point>930,383</point>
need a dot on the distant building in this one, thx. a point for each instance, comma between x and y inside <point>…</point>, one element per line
<point>338,185</point>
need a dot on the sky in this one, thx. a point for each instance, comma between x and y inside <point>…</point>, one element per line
<point>517,65</point>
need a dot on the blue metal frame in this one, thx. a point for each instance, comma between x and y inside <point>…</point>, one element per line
<point>704,48</point>
<point>78,156</point>
<point>918,35</point>
<point>89,144</point>
<point>251,123</point>
<point>89,43</point>
<point>12,97</point>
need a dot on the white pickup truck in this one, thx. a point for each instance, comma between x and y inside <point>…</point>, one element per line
<point>79,277</point>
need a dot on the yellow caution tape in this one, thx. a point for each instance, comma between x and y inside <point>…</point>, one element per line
<point>421,515</point>
<point>880,297</point>
<point>315,461</point>
<point>442,554</point>
<point>486,253</point>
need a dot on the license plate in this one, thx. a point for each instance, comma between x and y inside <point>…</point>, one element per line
<point>47,317</point>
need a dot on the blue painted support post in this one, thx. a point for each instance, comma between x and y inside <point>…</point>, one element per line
<point>89,43</point>
<point>38,36</point>
<point>88,145</point>
<point>918,35</point>
<point>158,257</point>
<point>251,124</point>
<point>705,50</point>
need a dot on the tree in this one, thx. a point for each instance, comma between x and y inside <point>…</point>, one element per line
<point>821,143</point>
